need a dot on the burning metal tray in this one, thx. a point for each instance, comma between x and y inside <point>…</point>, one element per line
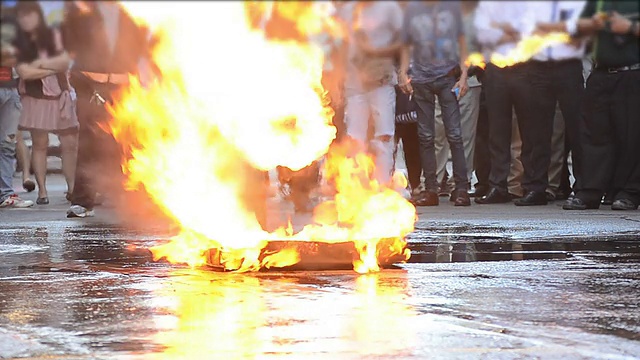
<point>315,256</point>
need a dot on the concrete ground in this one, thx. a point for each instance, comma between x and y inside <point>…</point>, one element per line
<point>500,220</point>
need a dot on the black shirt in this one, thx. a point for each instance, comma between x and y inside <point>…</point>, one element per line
<point>614,50</point>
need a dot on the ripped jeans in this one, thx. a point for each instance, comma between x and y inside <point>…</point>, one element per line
<point>10,108</point>
<point>379,106</point>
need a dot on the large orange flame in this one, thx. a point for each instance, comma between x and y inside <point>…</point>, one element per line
<point>228,96</point>
<point>524,50</point>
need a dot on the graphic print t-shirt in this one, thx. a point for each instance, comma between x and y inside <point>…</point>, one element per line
<point>433,28</point>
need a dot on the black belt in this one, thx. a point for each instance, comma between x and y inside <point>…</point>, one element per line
<point>613,70</point>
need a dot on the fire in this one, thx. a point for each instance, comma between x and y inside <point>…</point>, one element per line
<point>257,102</point>
<point>524,50</point>
<point>475,59</point>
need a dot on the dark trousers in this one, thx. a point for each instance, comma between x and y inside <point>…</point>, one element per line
<point>559,83</point>
<point>482,155</point>
<point>425,95</point>
<point>610,136</point>
<point>301,182</point>
<point>99,156</point>
<point>408,133</point>
<point>509,89</point>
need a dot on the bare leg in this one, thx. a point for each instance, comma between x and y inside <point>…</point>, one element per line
<point>23,156</point>
<point>69,145</point>
<point>39,158</point>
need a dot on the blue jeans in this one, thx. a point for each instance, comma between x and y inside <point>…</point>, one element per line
<point>425,95</point>
<point>10,108</point>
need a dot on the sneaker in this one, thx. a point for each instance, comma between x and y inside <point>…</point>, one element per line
<point>77,211</point>
<point>15,201</point>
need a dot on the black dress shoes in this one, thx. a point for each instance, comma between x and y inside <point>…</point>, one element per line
<point>575,203</point>
<point>623,204</point>
<point>608,198</point>
<point>494,196</point>
<point>532,198</point>
<point>479,191</point>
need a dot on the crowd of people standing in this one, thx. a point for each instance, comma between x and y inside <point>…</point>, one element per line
<point>505,124</point>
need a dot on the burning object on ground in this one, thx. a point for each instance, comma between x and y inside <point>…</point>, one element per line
<point>195,127</point>
<point>311,255</point>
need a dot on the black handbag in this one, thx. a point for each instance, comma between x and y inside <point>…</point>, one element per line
<point>406,108</point>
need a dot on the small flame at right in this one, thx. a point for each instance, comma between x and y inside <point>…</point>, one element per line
<point>524,50</point>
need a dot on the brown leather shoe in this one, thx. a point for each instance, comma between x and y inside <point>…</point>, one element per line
<point>427,198</point>
<point>461,198</point>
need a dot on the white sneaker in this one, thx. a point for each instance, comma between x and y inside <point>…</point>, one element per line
<point>14,201</point>
<point>77,211</point>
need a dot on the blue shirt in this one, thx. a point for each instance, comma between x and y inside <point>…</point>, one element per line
<point>433,29</point>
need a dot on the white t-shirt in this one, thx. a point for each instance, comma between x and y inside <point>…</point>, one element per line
<point>381,22</point>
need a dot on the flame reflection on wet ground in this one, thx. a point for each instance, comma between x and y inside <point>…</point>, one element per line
<point>233,316</point>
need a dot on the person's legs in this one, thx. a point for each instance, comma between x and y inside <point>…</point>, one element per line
<point>84,188</point>
<point>451,119</point>
<point>411,148</point>
<point>39,148</point>
<point>10,108</point>
<point>441,145</point>
<point>69,148</point>
<point>357,117</point>
<point>469,111</point>
<point>625,113</point>
<point>597,142</point>
<point>9,116</point>
<point>570,93</point>
<point>482,156</point>
<point>535,105</point>
<point>23,155</point>
<point>7,153</point>
<point>425,99</point>
<point>499,108</point>
<point>516,171</point>
<point>382,103</point>
<point>557,154</point>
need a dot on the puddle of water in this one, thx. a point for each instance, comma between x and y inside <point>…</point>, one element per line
<point>468,251</point>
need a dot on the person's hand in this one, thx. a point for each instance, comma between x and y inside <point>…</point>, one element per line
<point>543,28</point>
<point>599,20</point>
<point>506,28</point>
<point>463,86</point>
<point>619,24</point>
<point>405,84</point>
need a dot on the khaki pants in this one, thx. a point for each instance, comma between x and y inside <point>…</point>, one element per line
<point>557,152</point>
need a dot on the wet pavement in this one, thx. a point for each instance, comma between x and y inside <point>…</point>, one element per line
<point>483,282</point>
